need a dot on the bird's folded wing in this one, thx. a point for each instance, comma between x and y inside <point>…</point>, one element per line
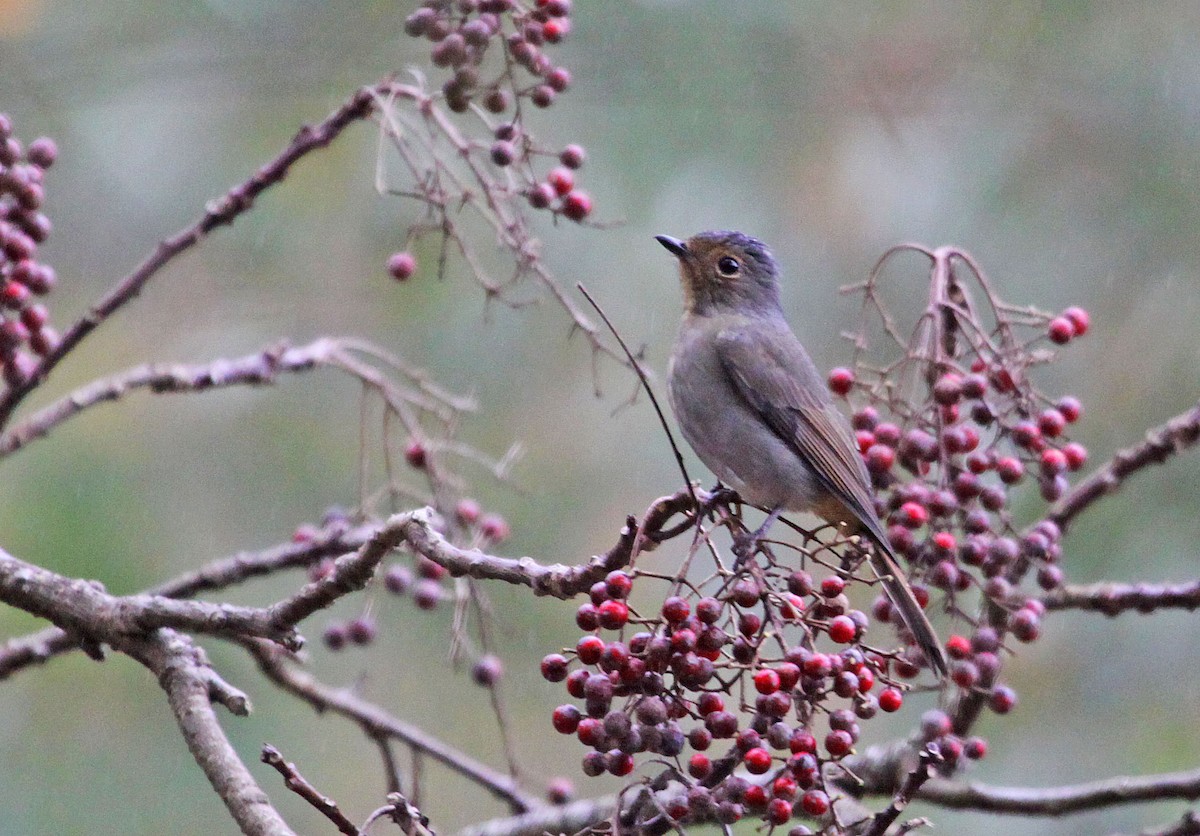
<point>775,377</point>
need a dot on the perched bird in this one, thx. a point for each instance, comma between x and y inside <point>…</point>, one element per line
<point>756,411</point>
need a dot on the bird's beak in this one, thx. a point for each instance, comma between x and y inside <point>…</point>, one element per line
<point>676,247</point>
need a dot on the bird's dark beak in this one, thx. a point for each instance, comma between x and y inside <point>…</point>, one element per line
<point>676,247</point>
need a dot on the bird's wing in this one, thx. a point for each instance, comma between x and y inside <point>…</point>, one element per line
<point>771,371</point>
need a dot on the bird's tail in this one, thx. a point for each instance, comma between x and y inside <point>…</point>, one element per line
<point>883,560</point>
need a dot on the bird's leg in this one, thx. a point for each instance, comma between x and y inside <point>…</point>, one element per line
<point>745,543</point>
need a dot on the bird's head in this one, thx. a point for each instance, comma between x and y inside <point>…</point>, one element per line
<point>725,272</point>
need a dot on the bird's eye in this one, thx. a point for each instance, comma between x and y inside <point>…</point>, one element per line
<point>728,266</point>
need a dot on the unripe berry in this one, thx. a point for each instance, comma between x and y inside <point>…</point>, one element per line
<point>503,153</point>
<point>361,630</point>
<point>541,195</point>
<point>757,760</point>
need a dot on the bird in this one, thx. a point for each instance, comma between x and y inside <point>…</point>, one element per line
<point>752,405</point>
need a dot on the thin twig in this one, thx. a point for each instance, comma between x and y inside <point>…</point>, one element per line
<point>219,212</point>
<point>1161,443</point>
<point>297,783</point>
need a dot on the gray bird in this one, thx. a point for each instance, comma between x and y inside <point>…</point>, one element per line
<point>756,411</point>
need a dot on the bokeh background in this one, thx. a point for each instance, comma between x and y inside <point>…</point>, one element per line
<point>1057,141</point>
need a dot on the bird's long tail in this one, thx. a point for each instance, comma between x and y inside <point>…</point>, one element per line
<point>883,560</point>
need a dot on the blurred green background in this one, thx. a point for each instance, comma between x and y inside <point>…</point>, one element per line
<point>1057,141</point>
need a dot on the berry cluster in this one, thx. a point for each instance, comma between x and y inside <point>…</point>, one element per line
<point>25,328</point>
<point>496,53</point>
<point>771,673</point>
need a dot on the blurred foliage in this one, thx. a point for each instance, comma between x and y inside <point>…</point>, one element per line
<point>1058,141</point>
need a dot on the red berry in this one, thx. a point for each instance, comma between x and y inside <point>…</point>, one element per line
<point>974,385</point>
<point>815,803</point>
<point>675,609</point>
<point>976,748</point>
<point>710,703</point>
<point>913,515</point>
<point>864,439</point>
<point>402,265</point>
<point>890,699</point>
<point>779,810</point>
<point>1009,469</point>
<point>766,681</point>
<point>1051,422</point>
<point>1079,319</point>
<point>757,760</point>
<point>842,629</point>
<point>561,180</point>
<point>832,586</point>
<point>944,541</point>
<point>841,380</point>
<point>591,731</point>
<point>1053,461</point>
<point>334,636</point>
<point>566,719</point>
<point>958,647</point>
<point>755,796</point>
<point>1026,434</point>
<point>554,667</point>
<point>784,787</point>
<point>542,95</point>
<point>415,454</point>
<point>1003,699</point>
<point>880,457</point>
<point>589,649</point>
<point>1060,330</point>
<point>613,614</point>
<point>708,610</point>
<point>555,30</point>
<point>618,584</point>
<point>1070,408</point>
<point>577,205</point>
<point>838,743</point>
<point>789,675</point>
<point>1076,455</point>
<point>699,766</point>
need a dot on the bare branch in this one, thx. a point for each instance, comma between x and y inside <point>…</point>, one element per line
<point>1162,442</point>
<point>1115,598</point>
<point>377,723</point>
<point>192,686</point>
<point>568,818</point>
<point>881,821</point>
<point>297,783</point>
<point>218,213</point>
<point>1058,801</point>
<point>557,580</point>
